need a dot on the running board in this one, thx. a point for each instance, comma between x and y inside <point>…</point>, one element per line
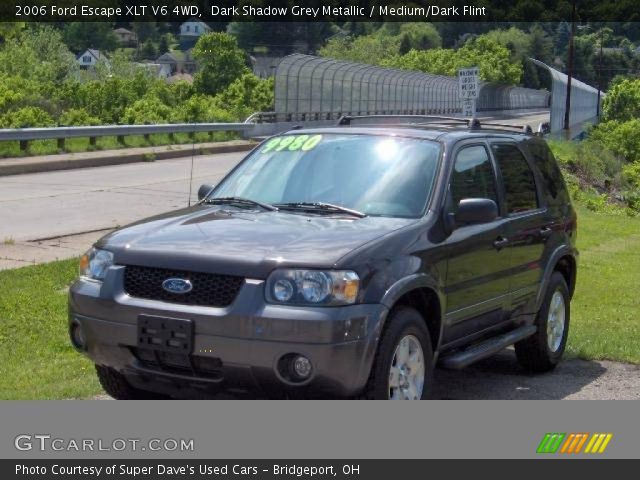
<point>486,349</point>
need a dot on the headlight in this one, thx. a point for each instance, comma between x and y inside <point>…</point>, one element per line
<point>313,287</point>
<point>94,264</point>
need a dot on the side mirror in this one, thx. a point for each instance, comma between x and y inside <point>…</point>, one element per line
<point>204,190</point>
<point>476,210</point>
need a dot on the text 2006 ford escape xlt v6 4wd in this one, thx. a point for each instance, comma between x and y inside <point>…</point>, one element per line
<point>343,261</point>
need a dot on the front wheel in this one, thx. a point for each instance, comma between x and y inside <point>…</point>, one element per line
<point>403,367</point>
<point>542,351</point>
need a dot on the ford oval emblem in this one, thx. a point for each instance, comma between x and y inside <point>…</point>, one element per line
<point>177,285</point>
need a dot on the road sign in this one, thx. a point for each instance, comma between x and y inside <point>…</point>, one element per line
<point>469,107</point>
<point>468,82</point>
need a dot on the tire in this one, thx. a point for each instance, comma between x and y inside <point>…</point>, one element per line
<point>406,324</point>
<point>116,385</point>
<point>539,353</point>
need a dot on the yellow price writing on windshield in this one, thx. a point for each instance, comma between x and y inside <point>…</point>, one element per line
<point>292,143</point>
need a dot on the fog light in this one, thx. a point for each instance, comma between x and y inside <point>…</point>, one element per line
<point>77,336</point>
<point>302,366</point>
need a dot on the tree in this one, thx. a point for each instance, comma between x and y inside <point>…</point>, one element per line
<point>163,46</point>
<point>373,49</point>
<point>82,35</point>
<point>149,50</point>
<point>26,117</point>
<point>492,58</point>
<point>147,110</point>
<point>246,95</point>
<point>622,102</point>
<point>38,54</point>
<point>220,62</point>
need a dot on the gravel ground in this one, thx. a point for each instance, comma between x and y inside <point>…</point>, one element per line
<point>501,378</point>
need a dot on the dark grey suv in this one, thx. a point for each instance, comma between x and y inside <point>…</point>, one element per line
<point>346,261</point>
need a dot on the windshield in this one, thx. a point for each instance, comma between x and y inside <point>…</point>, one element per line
<point>372,174</point>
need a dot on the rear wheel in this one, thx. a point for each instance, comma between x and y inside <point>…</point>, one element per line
<point>403,367</point>
<point>116,385</point>
<point>542,351</point>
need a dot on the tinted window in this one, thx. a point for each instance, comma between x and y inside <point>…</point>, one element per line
<point>554,187</point>
<point>519,182</point>
<point>473,175</point>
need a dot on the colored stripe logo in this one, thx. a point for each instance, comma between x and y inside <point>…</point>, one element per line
<point>574,443</point>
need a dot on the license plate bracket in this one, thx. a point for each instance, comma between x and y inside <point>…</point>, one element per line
<point>165,334</point>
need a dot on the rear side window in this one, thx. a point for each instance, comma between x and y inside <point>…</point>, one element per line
<point>554,186</point>
<point>517,176</point>
<point>473,175</point>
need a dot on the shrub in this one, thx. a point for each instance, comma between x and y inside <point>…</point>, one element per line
<point>26,117</point>
<point>147,110</point>
<point>77,117</point>
<point>622,138</point>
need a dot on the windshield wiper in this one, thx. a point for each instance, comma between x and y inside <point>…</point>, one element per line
<point>319,207</point>
<point>239,201</point>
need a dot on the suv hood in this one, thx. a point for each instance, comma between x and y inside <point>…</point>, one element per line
<point>231,241</point>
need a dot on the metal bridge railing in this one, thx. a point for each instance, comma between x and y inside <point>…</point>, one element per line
<point>24,135</point>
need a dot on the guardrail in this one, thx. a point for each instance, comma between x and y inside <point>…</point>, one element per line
<point>24,135</point>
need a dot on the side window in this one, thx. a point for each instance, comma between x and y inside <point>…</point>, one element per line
<point>518,179</point>
<point>554,186</point>
<point>473,175</point>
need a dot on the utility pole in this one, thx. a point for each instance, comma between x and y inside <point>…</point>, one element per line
<point>567,106</point>
<point>600,72</point>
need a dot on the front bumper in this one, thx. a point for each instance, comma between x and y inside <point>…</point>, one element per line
<point>246,339</point>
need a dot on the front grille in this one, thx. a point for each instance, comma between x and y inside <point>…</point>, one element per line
<point>209,289</point>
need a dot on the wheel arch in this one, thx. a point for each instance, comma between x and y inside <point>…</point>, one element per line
<point>421,293</point>
<point>563,260</point>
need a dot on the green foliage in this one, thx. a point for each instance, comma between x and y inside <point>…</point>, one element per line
<point>147,110</point>
<point>77,117</point>
<point>622,102</point>
<point>492,58</point>
<point>40,55</point>
<point>391,40</point>
<point>246,95</point>
<point>149,51</point>
<point>220,62</point>
<point>201,108</point>
<point>631,174</point>
<point>621,137</point>
<point>82,35</point>
<point>26,117</point>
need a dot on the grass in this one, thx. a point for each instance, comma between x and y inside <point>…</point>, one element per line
<point>36,358</point>
<point>76,145</point>
<point>606,307</point>
<point>38,362</point>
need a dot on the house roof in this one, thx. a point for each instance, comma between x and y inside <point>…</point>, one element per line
<point>175,56</point>
<point>93,52</point>
<point>123,30</point>
<point>205,27</point>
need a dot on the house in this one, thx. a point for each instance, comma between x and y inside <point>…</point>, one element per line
<point>158,70</point>
<point>191,31</point>
<point>126,38</point>
<point>90,58</point>
<point>178,61</point>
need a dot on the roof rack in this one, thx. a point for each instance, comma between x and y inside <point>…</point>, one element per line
<point>414,121</point>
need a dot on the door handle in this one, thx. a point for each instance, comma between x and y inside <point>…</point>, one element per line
<point>500,242</point>
<point>545,232</point>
